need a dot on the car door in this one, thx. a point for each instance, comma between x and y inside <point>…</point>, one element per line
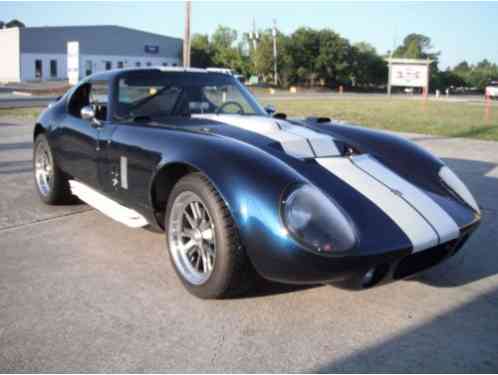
<point>78,141</point>
<point>130,158</point>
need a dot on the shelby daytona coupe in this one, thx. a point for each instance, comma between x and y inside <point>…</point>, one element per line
<point>240,190</point>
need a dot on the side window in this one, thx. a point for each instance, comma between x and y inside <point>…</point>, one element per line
<point>79,99</point>
<point>142,98</point>
<point>99,98</point>
<point>95,94</point>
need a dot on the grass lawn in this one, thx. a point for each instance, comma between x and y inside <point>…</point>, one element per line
<point>413,116</point>
<point>28,113</point>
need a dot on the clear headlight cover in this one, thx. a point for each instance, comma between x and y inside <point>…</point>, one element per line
<point>316,222</point>
<point>458,187</point>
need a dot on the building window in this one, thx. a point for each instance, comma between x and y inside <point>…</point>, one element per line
<point>138,64</point>
<point>88,67</point>
<point>53,68</point>
<point>120,65</point>
<point>38,69</point>
<point>108,65</point>
<point>148,63</point>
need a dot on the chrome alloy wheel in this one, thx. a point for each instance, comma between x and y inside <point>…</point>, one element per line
<point>191,237</point>
<point>44,171</point>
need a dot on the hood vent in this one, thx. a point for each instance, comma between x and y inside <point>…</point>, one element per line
<point>295,140</point>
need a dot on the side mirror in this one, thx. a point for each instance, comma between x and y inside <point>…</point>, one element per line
<point>270,109</point>
<point>88,114</point>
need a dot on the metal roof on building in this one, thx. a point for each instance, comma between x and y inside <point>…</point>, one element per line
<point>98,40</point>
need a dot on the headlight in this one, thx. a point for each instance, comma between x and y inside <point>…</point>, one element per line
<point>316,222</point>
<point>458,187</point>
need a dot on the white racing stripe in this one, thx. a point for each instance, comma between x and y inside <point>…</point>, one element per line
<point>444,225</point>
<point>419,232</point>
<point>296,140</point>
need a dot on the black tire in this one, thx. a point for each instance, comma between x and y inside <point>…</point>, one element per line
<point>58,190</point>
<point>233,273</point>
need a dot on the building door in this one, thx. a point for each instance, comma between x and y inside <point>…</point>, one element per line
<point>38,69</point>
<point>88,67</point>
<point>53,68</point>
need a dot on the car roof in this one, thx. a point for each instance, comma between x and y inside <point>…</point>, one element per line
<point>110,74</point>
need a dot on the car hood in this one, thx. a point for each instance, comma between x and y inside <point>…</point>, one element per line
<point>297,141</point>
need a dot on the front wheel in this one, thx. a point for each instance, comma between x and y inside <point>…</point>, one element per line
<point>203,241</point>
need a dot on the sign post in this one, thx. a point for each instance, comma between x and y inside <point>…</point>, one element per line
<point>408,73</point>
<point>73,62</point>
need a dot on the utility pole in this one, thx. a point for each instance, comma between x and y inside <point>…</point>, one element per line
<point>186,36</point>
<point>253,35</point>
<point>274,33</point>
<point>389,74</point>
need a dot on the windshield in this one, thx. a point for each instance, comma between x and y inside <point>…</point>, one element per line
<point>153,94</point>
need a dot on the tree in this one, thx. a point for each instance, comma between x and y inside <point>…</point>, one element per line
<point>368,67</point>
<point>224,37</point>
<point>14,23</point>
<point>201,52</point>
<point>225,53</point>
<point>334,61</point>
<point>263,60</point>
<point>416,46</point>
<point>304,47</point>
<point>483,72</point>
<point>462,68</point>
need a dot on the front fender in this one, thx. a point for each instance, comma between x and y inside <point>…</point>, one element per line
<point>251,183</point>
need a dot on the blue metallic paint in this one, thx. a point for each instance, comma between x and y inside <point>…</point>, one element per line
<point>251,172</point>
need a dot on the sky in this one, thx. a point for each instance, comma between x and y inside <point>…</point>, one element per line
<point>460,30</point>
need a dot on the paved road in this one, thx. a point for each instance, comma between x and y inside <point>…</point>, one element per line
<point>79,292</point>
<point>12,101</point>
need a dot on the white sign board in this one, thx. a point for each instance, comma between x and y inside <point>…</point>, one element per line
<point>409,75</point>
<point>73,62</point>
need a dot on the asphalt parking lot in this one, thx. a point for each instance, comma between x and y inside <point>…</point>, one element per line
<point>79,292</point>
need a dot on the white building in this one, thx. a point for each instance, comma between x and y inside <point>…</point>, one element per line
<point>40,53</point>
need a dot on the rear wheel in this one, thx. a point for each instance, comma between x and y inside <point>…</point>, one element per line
<point>51,183</point>
<point>203,242</point>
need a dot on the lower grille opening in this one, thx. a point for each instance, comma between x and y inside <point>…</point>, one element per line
<point>417,262</point>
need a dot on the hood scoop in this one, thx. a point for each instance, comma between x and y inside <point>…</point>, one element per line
<point>295,140</point>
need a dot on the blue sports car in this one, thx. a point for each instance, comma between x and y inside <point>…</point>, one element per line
<point>239,190</point>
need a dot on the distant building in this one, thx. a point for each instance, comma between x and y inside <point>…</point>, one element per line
<point>40,53</point>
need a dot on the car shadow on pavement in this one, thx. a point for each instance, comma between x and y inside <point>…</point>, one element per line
<point>263,288</point>
<point>478,259</point>
<point>463,339</point>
